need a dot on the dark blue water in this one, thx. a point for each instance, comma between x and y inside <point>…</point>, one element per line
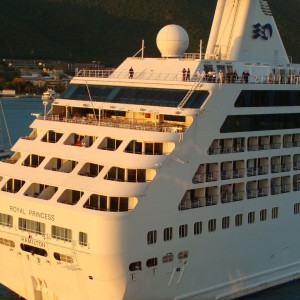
<point>18,118</point>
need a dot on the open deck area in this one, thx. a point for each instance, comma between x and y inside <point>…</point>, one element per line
<point>118,123</point>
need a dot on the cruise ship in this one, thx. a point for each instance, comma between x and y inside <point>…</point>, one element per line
<point>176,177</point>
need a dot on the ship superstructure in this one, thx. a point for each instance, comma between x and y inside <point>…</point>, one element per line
<point>175,177</point>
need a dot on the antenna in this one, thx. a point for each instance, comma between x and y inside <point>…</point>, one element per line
<point>4,119</point>
<point>87,87</point>
<point>141,50</point>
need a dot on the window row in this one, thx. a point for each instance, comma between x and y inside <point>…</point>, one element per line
<point>134,95</point>
<point>43,252</point>
<point>88,169</point>
<point>35,227</point>
<point>267,98</point>
<point>254,143</point>
<point>207,196</point>
<point>71,197</point>
<point>255,166</point>
<point>226,222</point>
<point>260,122</point>
<point>108,143</point>
<point>153,262</point>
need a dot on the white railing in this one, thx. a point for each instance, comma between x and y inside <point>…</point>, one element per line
<point>161,76</point>
<point>107,122</point>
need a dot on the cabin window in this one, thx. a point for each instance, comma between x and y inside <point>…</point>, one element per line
<point>168,258</point>
<point>61,233</point>
<point>134,147</point>
<point>263,215</point>
<point>197,228</point>
<point>151,262</point>
<point>183,231</point>
<point>239,220</point>
<point>33,161</point>
<point>274,212</point>
<point>168,234</point>
<point>31,226</point>
<point>251,217</point>
<point>212,225</point>
<point>34,250</point>
<point>63,257</point>
<point>110,144</point>
<point>183,254</point>
<point>226,222</point>
<point>52,137</point>
<point>297,208</point>
<point>8,243</point>
<point>135,266</point>
<point>152,237</point>
<point>6,220</point>
<point>90,170</point>
<point>83,239</point>
<point>70,197</point>
<point>13,185</point>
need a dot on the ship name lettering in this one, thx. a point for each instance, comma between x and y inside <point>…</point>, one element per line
<point>17,210</point>
<point>33,242</point>
<point>41,215</point>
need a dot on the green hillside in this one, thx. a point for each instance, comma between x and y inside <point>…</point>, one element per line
<point>110,30</point>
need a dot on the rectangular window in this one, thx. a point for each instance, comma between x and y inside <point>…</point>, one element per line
<point>274,212</point>
<point>183,254</point>
<point>297,208</point>
<point>212,225</point>
<point>151,262</point>
<point>61,233</point>
<point>251,217</point>
<point>197,227</point>
<point>83,239</point>
<point>225,222</point>
<point>152,237</point>
<point>263,215</point>
<point>168,234</point>
<point>6,220</point>
<point>239,220</point>
<point>168,258</point>
<point>183,231</point>
<point>31,226</point>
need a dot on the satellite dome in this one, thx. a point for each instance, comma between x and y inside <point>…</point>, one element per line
<point>172,41</point>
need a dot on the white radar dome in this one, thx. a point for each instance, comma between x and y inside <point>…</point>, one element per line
<point>172,41</point>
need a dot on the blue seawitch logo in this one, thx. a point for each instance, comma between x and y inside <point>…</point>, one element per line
<point>261,31</point>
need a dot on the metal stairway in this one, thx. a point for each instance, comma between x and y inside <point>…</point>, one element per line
<point>237,4</point>
<point>190,93</point>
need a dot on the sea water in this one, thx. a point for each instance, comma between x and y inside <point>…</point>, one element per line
<point>17,113</point>
<point>18,117</point>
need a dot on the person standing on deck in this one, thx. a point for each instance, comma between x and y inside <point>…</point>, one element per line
<point>184,74</point>
<point>131,72</point>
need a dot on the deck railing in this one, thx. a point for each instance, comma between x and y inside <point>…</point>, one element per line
<point>164,76</point>
<point>108,122</point>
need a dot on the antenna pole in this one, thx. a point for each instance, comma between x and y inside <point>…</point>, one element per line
<point>200,49</point>
<point>87,87</point>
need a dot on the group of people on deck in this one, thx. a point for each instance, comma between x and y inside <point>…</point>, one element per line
<point>229,77</point>
<point>186,74</point>
<point>210,76</point>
